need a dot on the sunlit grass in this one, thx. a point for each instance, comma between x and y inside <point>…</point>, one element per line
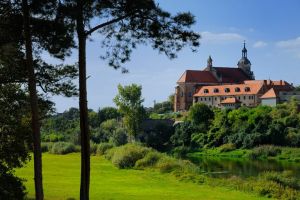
<point>62,176</point>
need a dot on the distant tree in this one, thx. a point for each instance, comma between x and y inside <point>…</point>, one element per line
<point>129,102</point>
<point>200,113</point>
<point>183,134</point>
<point>107,113</point>
<point>172,100</point>
<point>297,88</point>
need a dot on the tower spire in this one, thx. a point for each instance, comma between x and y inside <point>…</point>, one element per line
<point>244,51</point>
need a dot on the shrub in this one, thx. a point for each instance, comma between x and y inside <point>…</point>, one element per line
<point>127,155</point>
<point>103,147</point>
<point>285,179</point>
<point>264,151</point>
<point>46,146</point>
<point>180,152</point>
<point>93,148</point>
<point>227,147</point>
<point>149,160</point>
<point>119,137</point>
<point>63,148</point>
<point>167,165</point>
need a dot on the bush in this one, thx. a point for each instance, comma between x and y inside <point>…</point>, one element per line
<point>63,148</point>
<point>119,137</point>
<point>180,152</point>
<point>46,146</point>
<point>227,147</point>
<point>264,151</point>
<point>11,187</point>
<point>167,165</point>
<point>127,155</point>
<point>286,179</point>
<point>103,147</point>
<point>93,148</point>
<point>149,160</point>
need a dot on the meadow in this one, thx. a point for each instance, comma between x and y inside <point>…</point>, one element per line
<point>61,182</point>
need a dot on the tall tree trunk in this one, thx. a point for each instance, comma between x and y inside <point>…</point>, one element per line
<point>84,128</point>
<point>39,195</point>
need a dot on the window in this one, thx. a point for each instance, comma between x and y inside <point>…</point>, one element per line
<point>239,98</point>
<point>208,98</point>
<point>237,89</point>
<point>244,97</point>
<point>250,97</point>
<point>215,98</point>
<point>201,99</point>
<point>190,94</point>
<point>227,90</point>
<point>196,99</point>
<point>205,99</point>
<point>216,90</point>
<point>181,94</point>
<point>247,89</point>
<point>206,91</point>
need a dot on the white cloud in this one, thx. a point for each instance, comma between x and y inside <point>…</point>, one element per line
<point>259,44</point>
<point>209,37</point>
<point>292,46</point>
<point>289,44</point>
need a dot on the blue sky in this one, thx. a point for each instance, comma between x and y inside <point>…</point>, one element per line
<point>270,27</point>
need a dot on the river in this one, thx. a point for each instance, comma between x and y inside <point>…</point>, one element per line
<point>227,167</point>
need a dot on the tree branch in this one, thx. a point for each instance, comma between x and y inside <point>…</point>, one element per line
<point>108,23</point>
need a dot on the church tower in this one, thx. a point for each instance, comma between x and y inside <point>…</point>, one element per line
<point>209,66</point>
<point>245,64</point>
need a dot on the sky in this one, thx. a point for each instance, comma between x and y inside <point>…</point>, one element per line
<point>270,28</point>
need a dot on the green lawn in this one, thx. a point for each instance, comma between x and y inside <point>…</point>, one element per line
<point>61,181</point>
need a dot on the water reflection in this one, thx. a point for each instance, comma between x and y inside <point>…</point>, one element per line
<point>224,167</point>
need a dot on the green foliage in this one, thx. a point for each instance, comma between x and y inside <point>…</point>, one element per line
<point>119,137</point>
<point>11,187</point>
<point>107,113</point>
<point>158,135</point>
<point>103,147</point>
<point>129,102</point>
<point>63,148</point>
<point>127,155</point>
<point>183,133</point>
<point>149,160</point>
<point>93,148</point>
<point>163,107</point>
<point>286,179</point>
<point>227,147</point>
<point>46,146</point>
<point>264,151</point>
<point>200,113</point>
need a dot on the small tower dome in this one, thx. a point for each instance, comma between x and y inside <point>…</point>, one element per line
<point>244,63</point>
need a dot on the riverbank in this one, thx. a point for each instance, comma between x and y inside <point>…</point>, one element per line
<point>61,175</point>
<point>288,154</point>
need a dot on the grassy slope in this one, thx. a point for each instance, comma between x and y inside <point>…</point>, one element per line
<point>61,181</point>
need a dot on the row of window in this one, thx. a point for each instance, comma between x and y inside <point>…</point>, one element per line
<point>222,98</point>
<point>227,90</point>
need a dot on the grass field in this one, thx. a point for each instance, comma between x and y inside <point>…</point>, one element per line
<point>61,182</point>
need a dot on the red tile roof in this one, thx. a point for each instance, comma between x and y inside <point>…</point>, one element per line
<point>230,100</point>
<point>196,76</point>
<point>228,74</point>
<point>231,75</point>
<point>270,94</point>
